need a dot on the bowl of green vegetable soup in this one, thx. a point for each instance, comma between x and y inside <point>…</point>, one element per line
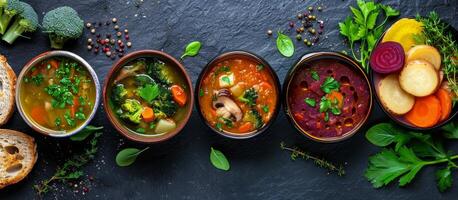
<point>148,96</point>
<point>57,93</point>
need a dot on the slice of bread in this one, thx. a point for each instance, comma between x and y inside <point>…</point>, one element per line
<point>18,154</point>
<point>7,90</point>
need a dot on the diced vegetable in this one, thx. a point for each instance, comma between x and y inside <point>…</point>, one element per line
<point>39,114</point>
<point>445,99</point>
<point>254,117</point>
<point>245,127</point>
<point>165,126</point>
<point>419,78</point>
<point>426,112</point>
<point>403,32</point>
<point>427,53</point>
<point>393,98</point>
<point>226,80</point>
<point>238,89</point>
<point>133,110</point>
<point>179,95</point>
<point>388,57</point>
<point>148,114</point>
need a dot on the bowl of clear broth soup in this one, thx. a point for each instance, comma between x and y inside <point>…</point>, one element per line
<point>57,93</point>
<point>148,96</point>
<point>238,95</point>
<point>327,96</point>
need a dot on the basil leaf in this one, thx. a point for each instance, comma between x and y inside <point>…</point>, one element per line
<point>285,45</point>
<point>382,134</point>
<point>86,132</point>
<point>192,49</point>
<point>128,156</point>
<point>310,102</point>
<point>218,160</point>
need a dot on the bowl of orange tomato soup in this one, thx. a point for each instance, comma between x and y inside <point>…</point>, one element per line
<point>238,95</point>
<point>327,96</point>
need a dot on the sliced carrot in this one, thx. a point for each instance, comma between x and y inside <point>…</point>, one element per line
<point>148,114</point>
<point>179,96</point>
<point>445,99</point>
<point>247,126</point>
<point>74,107</point>
<point>54,64</point>
<point>39,114</point>
<point>334,95</point>
<point>426,112</point>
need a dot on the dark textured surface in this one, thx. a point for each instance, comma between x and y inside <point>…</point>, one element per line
<point>180,168</point>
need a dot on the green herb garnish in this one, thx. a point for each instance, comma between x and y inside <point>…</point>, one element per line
<point>38,79</point>
<point>127,157</point>
<point>218,160</point>
<point>69,119</point>
<point>265,108</point>
<point>226,79</point>
<point>285,45</point>
<point>362,28</point>
<point>320,162</point>
<point>259,67</point>
<point>192,49</point>
<point>405,153</point>
<point>149,92</point>
<point>315,75</point>
<point>330,84</point>
<point>310,102</point>
<point>249,97</point>
<point>201,92</point>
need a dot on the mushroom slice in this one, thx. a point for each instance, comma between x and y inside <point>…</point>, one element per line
<point>224,105</point>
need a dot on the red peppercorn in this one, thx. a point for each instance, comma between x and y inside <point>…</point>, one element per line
<point>291,24</point>
<point>127,37</point>
<point>85,189</point>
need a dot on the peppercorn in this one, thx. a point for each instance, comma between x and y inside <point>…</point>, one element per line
<point>119,41</point>
<point>114,20</point>
<point>108,53</point>
<point>119,34</point>
<point>298,37</point>
<point>127,37</point>
<point>116,27</point>
<point>93,30</point>
<point>96,50</point>
<point>310,8</point>
<point>312,30</point>
<point>298,30</point>
<point>302,29</point>
<point>309,43</point>
<point>107,40</point>
<point>305,41</point>
<point>129,44</point>
<point>313,17</point>
<point>269,32</point>
<point>291,24</point>
<point>126,31</point>
<point>112,41</point>
<point>89,40</point>
<point>299,16</point>
<point>88,25</point>
<point>309,17</point>
<point>319,8</point>
<point>89,47</point>
<point>320,31</point>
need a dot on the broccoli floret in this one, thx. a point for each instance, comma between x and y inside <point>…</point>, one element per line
<point>163,105</point>
<point>158,72</point>
<point>254,117</point>
<point>27,21</point>
<point>10,9</point>
<point>133,110</point>
<point>249,97</point>
<point>119,92</point>
<point>62,24</point>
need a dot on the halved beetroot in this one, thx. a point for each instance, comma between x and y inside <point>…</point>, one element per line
<point>387,57</point>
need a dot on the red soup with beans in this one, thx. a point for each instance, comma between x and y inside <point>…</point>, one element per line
<point>327,98</point>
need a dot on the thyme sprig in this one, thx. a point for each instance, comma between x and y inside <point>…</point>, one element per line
<point>296,152</point>
<point>435,33</point>
<point>71,169</point>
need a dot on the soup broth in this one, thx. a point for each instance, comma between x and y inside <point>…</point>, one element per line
<point>58,94</point>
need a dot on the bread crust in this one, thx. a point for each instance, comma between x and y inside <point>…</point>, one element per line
<point>10,80</point>
<point>8,160</point>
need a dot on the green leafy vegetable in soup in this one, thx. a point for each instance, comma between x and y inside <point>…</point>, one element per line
<point>147,95</point>
<point>58,94</point>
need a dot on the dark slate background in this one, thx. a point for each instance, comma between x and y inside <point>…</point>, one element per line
<point>180,168</point>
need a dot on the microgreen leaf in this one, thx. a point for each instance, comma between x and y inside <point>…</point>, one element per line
<point>218,160</point>
<point>127,157</point>
<point>330,84</point>
<point>192,49</point>
<point>285,45</point>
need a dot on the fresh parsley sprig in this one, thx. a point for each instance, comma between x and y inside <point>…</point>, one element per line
<point>412,152</point>
<point>362,28</point>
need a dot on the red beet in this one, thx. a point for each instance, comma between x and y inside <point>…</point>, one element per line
<point>387,57</point>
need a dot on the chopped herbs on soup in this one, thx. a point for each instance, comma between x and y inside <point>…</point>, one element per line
<point>148,96</point>
<point>58,94</point>
<point>241,93</point>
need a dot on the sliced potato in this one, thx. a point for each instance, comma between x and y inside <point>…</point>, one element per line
<point>419,78</point>
<point>393,98</point>
<point>425,52</point>
<point>226,80</point>
<point>165,126</point>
